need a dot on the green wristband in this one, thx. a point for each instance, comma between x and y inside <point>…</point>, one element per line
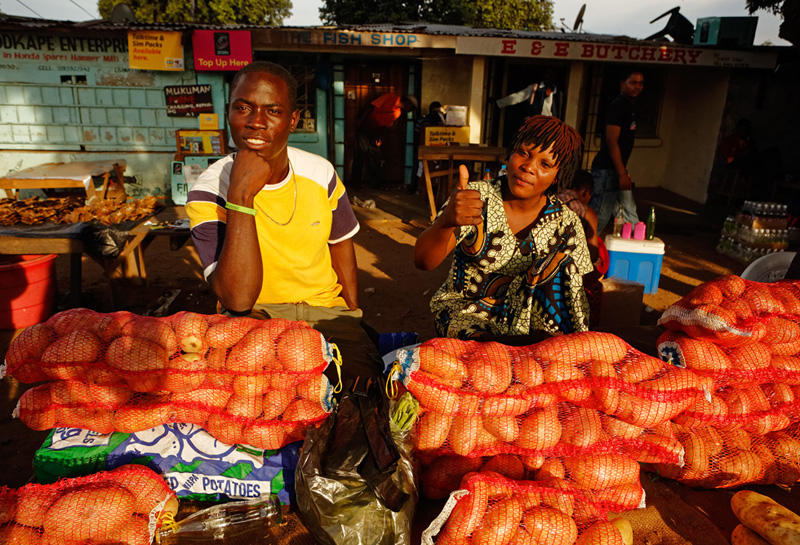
<point>242,209</point>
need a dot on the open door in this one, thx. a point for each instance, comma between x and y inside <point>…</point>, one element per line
<point>364,82</point>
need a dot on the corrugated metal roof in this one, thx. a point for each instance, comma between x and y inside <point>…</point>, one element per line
<point>10,22</point>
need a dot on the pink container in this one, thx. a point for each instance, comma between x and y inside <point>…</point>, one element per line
<point>27,289</point>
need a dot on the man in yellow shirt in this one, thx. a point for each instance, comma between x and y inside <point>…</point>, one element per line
<point>272,224</point>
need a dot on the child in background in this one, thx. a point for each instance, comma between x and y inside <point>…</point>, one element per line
<point>519,253</point>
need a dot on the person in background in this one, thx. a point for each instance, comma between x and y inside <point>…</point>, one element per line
<point>380,116</point>
<point>577,198</point>
<point>434,118</point>
<point>273,225</point>
<point>612,181</point>
<point>519,254</point>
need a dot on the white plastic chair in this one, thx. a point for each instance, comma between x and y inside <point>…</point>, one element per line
<point>770,267</point>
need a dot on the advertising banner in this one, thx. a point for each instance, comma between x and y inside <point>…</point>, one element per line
<point>155,50</point>
<point>221,49</point>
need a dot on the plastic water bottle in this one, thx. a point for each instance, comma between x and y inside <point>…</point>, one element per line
<point>236,522</point>
<point>503,171</point>
<point>619,221</point>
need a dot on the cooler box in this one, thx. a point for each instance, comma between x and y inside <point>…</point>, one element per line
<point>636,260</point>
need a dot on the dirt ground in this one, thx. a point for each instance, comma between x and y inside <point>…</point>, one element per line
<point>394,296</point>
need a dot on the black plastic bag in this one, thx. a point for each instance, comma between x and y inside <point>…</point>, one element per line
<point>355,477</point>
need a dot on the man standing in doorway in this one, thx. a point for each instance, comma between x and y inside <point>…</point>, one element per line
<point>612,182</point>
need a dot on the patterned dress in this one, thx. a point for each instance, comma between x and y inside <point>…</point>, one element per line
<point>500,285</point>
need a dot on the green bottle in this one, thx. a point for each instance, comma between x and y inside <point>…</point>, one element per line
<point>651,224</point>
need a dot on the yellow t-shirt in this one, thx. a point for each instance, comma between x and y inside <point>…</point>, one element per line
<point>296,257</point>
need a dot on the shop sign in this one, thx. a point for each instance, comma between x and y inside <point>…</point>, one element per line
<point>154,50</point>
<point>221,49</point>
<point>42,58</point>
<point>188,100</point>
<point>442,136</point>
<point>341,38</point>
<point>614,52</point>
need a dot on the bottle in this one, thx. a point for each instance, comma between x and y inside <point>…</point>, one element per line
<point>618,221</point>
<point>651,224</point>
<point>487,174</point>
<point>235,522</point>
<point>503,171</point>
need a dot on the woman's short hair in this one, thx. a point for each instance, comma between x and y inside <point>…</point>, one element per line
<point>545,131</point>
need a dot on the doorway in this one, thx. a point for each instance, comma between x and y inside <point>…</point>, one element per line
<point>364,82</point>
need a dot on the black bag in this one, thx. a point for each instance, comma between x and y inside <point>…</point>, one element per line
<point>355,479</point>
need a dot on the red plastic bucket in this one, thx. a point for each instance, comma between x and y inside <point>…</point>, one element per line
<point>27,289</point>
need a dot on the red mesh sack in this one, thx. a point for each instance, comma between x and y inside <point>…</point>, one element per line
<point>730,458</point>
<point>492,510</point>
<point>730,311</point>
<point>122,505</point>
<point>258,382</point>
<point>739,366</point>
<point>548,399</point>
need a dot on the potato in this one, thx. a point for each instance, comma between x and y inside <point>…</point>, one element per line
<point>92,513</point>
<point>540,430</point>
<point>742,535</point>
<point>625,530</point>
<point>546,525</point>
<point>469,511</point>
<point>601,533</point>
<point>766,517</point>
<point>432,430</point>
<point>499,524</point>
<point>489,368</point>
<point>299,349</point>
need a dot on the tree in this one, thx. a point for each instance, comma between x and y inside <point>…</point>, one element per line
<point>789,10</point>
<point>505,14</point>
<point>247,12</point>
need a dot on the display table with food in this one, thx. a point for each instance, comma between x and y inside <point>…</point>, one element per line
<point>113,233</point>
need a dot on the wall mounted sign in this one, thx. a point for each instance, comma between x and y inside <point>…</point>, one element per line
<point>188,100</point>
<point>221,49</point>
<point>154,50</point>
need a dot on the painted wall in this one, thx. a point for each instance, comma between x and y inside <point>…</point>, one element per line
<point>682,156</point>
<point>448,80</point>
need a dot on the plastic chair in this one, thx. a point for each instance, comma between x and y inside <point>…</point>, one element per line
<point>769,268</point>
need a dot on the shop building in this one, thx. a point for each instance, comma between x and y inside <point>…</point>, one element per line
<point>68,93</point>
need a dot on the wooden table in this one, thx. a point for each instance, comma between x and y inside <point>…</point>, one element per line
<point>78,174</point>
<point>452,154</point>
<point>127,269</point>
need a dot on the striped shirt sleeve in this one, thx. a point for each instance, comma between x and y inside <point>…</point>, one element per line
<point>344,224</point>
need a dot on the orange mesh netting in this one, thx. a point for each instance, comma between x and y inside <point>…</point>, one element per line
<point>742,338</point>
<point>258,382</point>
<point>497,511</point>
<point>730,311</point>
<point>122,506</point>
<point>573,395</point>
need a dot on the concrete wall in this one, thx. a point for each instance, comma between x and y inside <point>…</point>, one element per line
<point>448,80</point>
<point>682,156</point>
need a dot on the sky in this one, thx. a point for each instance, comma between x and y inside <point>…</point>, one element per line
<point>617,17</point>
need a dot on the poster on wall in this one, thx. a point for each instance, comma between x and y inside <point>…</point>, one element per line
<point>221,49</point>
<point>154,50</point>
<point>188,100</point>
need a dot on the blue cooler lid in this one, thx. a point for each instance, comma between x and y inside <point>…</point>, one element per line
<point>634,246</point>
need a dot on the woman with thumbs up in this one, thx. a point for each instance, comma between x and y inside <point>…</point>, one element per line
<point>519,254</point>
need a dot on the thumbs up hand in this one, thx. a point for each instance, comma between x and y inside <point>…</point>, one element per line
<point>465,206</point>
